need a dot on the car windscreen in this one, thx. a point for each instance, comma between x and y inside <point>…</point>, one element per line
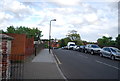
<point>95,46</point>
<point>72,44</point>
<point>117,50</point>
<point>113,50</point>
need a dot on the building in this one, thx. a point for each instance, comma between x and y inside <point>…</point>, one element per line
<point>5,51</point>
<point>55,44</point>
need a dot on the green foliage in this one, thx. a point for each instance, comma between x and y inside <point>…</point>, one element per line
<point>118,41</point>
<point>106,41</point>
<point>30,32</point>
<point>74,37</point>
<point>71,37</point>
<point>78,42</point>
<point>62,43</point>
<point>66,40</point>
<point>1,31</point>
<point>11,29</point>
<point>46,45</point>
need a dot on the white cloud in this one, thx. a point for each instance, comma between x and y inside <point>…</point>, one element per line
<point>92,17</point>
<point>16,9</point>
<point>87,23</point>
<point>89,19</point>
<point>107,35</point>
<point>12,12</point>
<point>62,1</point>
<point>66,2</point>
<point>4,16</point>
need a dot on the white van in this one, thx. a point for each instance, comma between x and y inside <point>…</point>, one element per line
<point>70,45</point>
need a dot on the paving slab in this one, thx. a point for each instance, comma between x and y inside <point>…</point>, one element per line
<point>43,66</point>
<point>44,56</point>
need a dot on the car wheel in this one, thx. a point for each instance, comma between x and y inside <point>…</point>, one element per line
<point>101,55</point>
<point>113,57</point>
<point>92,52</point>
<point>85,51</point>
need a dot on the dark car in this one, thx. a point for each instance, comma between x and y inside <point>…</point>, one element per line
<point>110,52</point>
<point>82,48</point>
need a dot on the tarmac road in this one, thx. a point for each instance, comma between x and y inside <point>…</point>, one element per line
<point>78,65</point>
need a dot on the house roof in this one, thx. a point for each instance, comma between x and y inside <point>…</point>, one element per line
<point>4,36</point>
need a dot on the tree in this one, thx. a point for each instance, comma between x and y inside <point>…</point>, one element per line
<point>11,29</point>
<point>30,32</point>
<point>1,31</point>
<point>73,36</point>
<point>62,43</point>
<point>106,41</point>
<point>118,41</point>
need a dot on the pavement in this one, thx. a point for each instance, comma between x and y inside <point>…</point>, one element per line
<point>42,66</point>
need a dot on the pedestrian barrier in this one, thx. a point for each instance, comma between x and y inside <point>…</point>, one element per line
<point>11,69</point>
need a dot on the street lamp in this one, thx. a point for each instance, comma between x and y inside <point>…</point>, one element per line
<point>50,33</point>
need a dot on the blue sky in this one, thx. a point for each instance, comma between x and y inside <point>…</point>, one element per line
<point>91,19</point>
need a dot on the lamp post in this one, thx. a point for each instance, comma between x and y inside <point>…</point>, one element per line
<point>50,33</point>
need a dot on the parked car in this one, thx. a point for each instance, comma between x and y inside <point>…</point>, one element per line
<point>76,47</point>
<point>65,47</point>
<point>70,45</point>
<point>54,47</point>
<point>92,49</point>
<point>110,52</point>
<point>82,48</point>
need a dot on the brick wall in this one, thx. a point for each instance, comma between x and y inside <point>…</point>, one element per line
<point>55,44</point>
<point>21,46</point>
<point>29,46</point>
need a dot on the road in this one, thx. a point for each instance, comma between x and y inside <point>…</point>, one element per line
<point>77,65</point>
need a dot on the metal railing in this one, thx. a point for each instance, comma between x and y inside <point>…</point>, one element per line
<point>12,66</point>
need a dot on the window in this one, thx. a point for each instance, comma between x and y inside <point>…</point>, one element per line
<point>107,49</point>
<point>95,46</point>
<point>113,50</point>
<point>117,50</point>
<point>72,44</point>
<point>104,49</point>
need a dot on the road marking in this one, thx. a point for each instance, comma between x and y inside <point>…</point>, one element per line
<point>56,57</point>
<point>61,72</point>
<point>107,64</point>
<point>58,60</point>
<point>58,67</point>
<point>83,56</point>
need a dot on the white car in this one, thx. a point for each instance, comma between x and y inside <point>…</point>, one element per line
<point>70,45</point>
<point>110,52</point>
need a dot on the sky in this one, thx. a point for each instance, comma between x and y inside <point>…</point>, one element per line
<point>92,19</point>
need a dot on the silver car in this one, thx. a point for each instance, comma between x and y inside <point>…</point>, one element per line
<point>76,48</point>
<point>92,48</point>
<point>110,52</point>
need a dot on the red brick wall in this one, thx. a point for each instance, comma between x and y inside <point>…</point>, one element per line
<point>54,44</point>
<point>29,46</point>
<point>21,46</point>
